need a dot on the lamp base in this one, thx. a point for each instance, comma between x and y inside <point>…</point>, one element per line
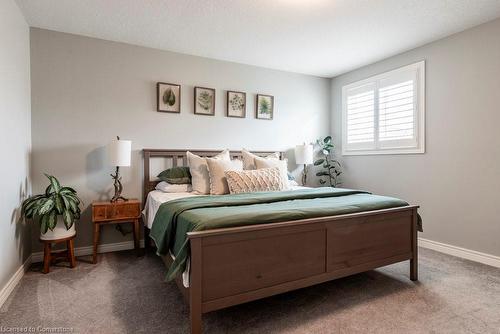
<point>118,187</point>
<point>304,175</point>
<point>117,199</point>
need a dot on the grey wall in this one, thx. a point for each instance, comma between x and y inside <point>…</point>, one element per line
<point>86,91</point>
<point>457,181</point>
<point>15,141</point>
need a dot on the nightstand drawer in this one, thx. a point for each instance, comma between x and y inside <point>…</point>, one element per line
<point>116,211</point>
<point>99,213</point>
<point>122,211</point>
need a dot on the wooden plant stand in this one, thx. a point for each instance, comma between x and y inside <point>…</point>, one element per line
<point>50,257</point>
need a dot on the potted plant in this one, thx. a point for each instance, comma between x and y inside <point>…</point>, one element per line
<point>331,167</point>
<point>56,210</point>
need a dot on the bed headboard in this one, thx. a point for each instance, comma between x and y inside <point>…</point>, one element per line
<point>174,158</point>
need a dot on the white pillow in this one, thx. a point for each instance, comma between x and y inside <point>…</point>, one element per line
<point>173,188</point>
<point>199,171</point>
<point>249,159</point>
<point>272,163</point>
<point>216,170</point>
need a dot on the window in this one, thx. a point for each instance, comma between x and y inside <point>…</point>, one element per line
<point>385,114</point>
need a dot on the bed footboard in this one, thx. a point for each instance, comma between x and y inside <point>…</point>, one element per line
<point>237,265</point>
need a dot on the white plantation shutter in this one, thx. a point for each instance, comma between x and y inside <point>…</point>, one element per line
<point>385,114</point>
<point>360,106</point>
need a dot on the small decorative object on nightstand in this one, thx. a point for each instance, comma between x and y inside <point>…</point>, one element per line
<point>116,213</point>
<point>304,156</point>
<point>119,156</point>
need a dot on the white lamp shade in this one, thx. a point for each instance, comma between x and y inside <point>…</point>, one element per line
<point>119,153</point>
<point>304,154</point>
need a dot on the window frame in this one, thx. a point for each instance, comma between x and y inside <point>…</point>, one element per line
<point>418,70</point>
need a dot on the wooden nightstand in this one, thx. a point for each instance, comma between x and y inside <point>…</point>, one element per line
<point>116,213</point>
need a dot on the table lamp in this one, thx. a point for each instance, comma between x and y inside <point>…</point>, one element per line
<point>119,156</point>
<point>304,156</point>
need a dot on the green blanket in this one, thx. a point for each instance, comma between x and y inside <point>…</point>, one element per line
<point>175,219</point>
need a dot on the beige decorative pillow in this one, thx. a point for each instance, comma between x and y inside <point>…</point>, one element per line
<point>199,171</point>
<point>249,159</point>
<point>216,170</point>
<point>282,165</point>
<point>247,181</point>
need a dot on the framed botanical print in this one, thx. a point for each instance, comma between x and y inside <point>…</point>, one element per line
<point>204,101</point>
<point>236,104</point>
<point>264,106</point>
<point>168,97</point>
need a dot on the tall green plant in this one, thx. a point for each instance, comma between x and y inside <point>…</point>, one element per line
<point>56,201</point>
<point>331,167</point>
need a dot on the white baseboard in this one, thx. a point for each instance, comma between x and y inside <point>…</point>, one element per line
<point>11,284</point>
<point>464,253</point>
<point>87,250</point>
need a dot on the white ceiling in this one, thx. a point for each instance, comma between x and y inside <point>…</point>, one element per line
<point>318,37</point>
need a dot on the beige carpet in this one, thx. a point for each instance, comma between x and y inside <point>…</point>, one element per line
<point>126,294</point>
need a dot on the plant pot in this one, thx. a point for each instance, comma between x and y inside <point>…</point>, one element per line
<point>59,232</point>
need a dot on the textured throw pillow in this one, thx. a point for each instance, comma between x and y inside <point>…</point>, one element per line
<point>176,175</point>
<point>247,181</point>
<point>282,165</point>
<point>216,170</point>
<point>249,159</point>
<point>199,171</point>
<point>173,188</point>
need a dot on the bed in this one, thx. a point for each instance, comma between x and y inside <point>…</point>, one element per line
<point>233,265</point>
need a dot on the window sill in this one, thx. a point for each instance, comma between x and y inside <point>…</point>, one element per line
<point>385,151</point>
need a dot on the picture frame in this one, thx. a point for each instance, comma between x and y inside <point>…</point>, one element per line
<point>204,101</point>
<point>264,106</point>
<point>236,104</point>
<point>168,97</point>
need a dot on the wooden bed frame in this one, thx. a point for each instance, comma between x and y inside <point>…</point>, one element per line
<point>236,265</point>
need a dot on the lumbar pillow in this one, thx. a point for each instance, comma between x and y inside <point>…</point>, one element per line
<point>249,159</point>
<point>199,171</point>
<point>176,175</point>
<point>246,181</point>
<point>282,165</point>
<point>216,170</point>
<point>173,188</point>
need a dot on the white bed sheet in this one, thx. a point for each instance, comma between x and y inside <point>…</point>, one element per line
<point>157,198</point>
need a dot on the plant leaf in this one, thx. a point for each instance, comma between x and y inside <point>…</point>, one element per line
<point>44,226</point>
<point>47,205</point>
<point>49,190</point>
<point>73,206</point>
<point>328,139</point>
<point>52,220</point>
<point>27,203</point>
<point>322,173</point>
<point>59,204</point>
<point>68,219</point>
<point>319,162</point>
<point>73,197</point>
<point>67,190</point>
<point>54,183</point>
<point>169,97</point>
